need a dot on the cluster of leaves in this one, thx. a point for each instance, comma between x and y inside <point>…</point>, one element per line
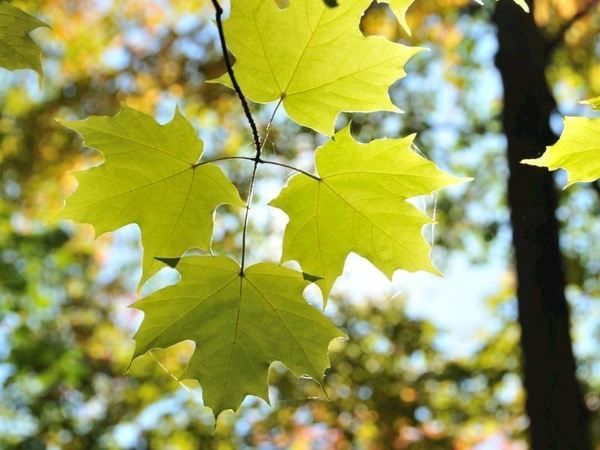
<point>154,176</point>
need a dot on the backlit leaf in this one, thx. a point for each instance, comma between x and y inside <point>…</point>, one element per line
<point>359,205</point>
<point>240,325</point>
<point>150,178</point>
<point>314,58</point>
<point>577,151</point>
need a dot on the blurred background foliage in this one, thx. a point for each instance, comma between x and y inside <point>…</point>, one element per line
<point>65,325</point>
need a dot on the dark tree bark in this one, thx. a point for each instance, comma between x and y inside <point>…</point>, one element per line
<point>558,417</point>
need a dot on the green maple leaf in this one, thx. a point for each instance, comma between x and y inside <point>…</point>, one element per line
<point>150,178</point>
<point>314,58</point>
<point>240,325</point>
<point>577,151</point>
<point>400,8</point>
<point>17,49</point>
<point>359,205</point>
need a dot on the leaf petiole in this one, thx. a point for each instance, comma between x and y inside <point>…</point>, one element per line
<point>259,161</point>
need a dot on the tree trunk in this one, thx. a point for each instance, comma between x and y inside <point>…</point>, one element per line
<point>557,414</point>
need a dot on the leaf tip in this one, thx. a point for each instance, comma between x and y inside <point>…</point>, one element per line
<point>462,180</point>
<point>532,162</point>
<point>417,50</point>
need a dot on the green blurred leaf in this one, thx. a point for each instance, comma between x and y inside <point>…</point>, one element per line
<point>17,49</point>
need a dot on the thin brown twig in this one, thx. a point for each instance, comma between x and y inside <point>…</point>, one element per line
<point>287,166</point>
<point>234,82</point>
<point>257,143</point>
